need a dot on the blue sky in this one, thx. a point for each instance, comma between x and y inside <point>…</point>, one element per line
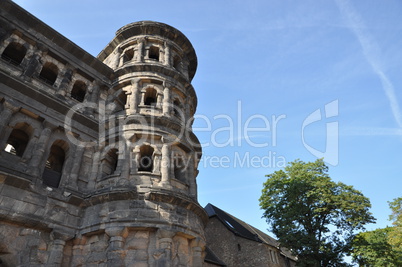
<point>276,61</point>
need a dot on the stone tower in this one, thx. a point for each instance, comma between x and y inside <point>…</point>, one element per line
<point>151,152</point>
<point>98,161</point>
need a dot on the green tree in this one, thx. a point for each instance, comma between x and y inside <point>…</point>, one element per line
<point>395,236</point>
<point>373,248</point>
<point>312,215</point>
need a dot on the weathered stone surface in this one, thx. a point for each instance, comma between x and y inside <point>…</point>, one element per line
<point>90,148</point>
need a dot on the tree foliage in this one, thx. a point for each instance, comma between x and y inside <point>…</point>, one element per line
<point>312,215</point>
<point>381,247</point>
<point>373,248</point>
<point>395,236</point>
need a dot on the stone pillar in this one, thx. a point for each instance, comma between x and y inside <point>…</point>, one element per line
<point>140,54</point>
<point>115,250</point>
<point>157,162</point>
<point>75,169</point>
<point>134,96</point>
<point>142,98</point>
<point>39,150</point>
<point>191,177</point>
<point>163,255</point>
<point>66,78</point>
<point>135,160</point>
<point>165,165</point>
<point>159,101</point>
<point>56,248</point>
<point>5,116</point>
<point>167,60</point>
<point>197,246</point>
<point>166,106</point>
<point>94,171</point>
<point>116,59</point>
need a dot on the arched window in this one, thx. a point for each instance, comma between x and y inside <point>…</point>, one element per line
<point>79,90</point>
<point>146,163</point>
<point>54,164</point>
<point>120,101</point>
<point>49,73</point>
<point>14,53</point>
<point>179,167</point>
<point>150,97</point>
<point>18,139</point>
<point>128,55</point>
<point>176,63</point>
<point>109,163</point>
<point>177,108</point>
<point>153,53</point>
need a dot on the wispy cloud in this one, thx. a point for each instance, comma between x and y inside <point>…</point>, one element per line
<point>354,131</point>
<point>372,53</point>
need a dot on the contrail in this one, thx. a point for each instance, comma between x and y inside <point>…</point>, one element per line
<point>371,52</point>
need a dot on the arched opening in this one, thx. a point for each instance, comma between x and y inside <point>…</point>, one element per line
<point>49,73</point>
<point>176,63</point>
<point>17,142</point>
<point>146,163</point>
<point>150,97</point>
<point>153,53</point>
<point>54,164</point>
<point>109,163</point>
<point>18,139</point>
<point>14,53</point>
<point>79,90</point>
<point>177,108</point>
<point>179,165</point>
<point>128,55</point>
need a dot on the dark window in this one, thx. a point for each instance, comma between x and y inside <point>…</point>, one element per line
<point>176,63</point>
<point>154,53</point>
<point>54,165</point>
<point>18,139</point>
<point>150,97</point>
<point>146,163</point>
<point>179,168</point>
<point>109,163</point>
<point>14,53</point>
<point>128,55</point>
<point>79,90</point>
<point>49,73</point>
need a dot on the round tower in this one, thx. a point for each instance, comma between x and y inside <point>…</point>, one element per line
<point>146,185</point>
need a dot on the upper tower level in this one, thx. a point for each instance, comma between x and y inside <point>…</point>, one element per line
<point>151,43</point>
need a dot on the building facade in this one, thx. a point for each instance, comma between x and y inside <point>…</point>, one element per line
<point>98,161</point>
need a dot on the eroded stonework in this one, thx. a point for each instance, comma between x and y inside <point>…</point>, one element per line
<point>98,161</point>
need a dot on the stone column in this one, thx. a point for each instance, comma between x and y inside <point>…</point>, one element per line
<point>135,161</point>
<point>166,106</point>
<point>167,60</point>
<point>191,177</point>
<point>165,165</point>
<point>164,254</point>
<point>197,246</point>
<point>159,101</point>
<point>40,150</point>
<point>5,116</point>
<point>157,162</point>
<point>134,96</point>
<point>140,54</point>
<point>75,169</point>
<point>94,171</point>
<point>56,248</point>
<point>65,83</point>
<point>142,98</point>
<point>115,250</point>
